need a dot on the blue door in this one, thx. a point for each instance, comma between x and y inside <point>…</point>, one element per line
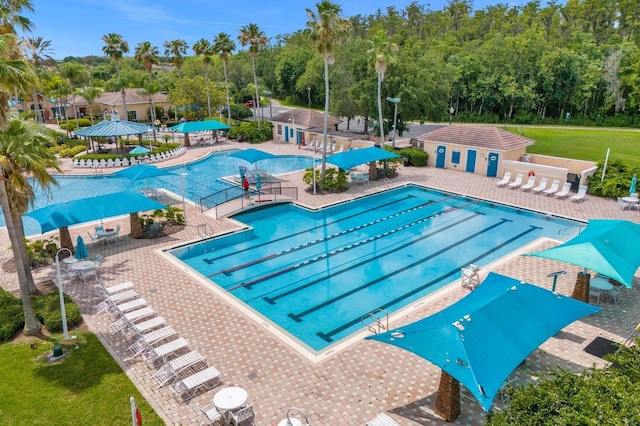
<point>492,164</point>
<point>286,133</point>
<point>471,160</point>
<point>441,156</point>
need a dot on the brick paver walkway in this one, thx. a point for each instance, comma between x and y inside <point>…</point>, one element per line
<point>361,380</point>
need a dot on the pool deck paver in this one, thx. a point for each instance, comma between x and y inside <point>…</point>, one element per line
<point>361,380</point>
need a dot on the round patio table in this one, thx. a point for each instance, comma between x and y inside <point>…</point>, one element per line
<point>230,398</point>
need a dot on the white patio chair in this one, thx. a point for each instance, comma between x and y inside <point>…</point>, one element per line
<point>541,187</point>
<point>505,179</point>
<point>210,414</point>
<point>581,195</point>
<point>564,192</point>
<point>531,182</point>
<point>553,188</point>
<point>242,416</point>
<point>517,182</point>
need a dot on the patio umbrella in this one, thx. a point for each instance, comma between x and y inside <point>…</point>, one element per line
<point>81,249</point>
<point>142,171</point>
<point>605,246</point>
<point>482,338</point>
<point>634,180</point>
<point>252,156</point>
<point>139,150</point>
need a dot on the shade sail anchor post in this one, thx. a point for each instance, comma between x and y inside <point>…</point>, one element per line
<point>448,400</point>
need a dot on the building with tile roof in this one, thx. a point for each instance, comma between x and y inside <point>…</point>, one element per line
<point>293,125</point>
<point>473,148</point>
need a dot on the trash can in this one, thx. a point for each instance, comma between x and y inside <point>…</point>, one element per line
<point>575,181</point>
<point>57,350</point>
<point>405,161</point>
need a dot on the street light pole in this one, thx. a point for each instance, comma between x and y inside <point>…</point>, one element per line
<point>451,111</point>
<point>309,96</point>
<point>268,93</point>
<point>395,102</point>
<point>63,313</point>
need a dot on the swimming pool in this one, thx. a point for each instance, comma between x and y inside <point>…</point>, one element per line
<point>201,178</point>
<point>316,274</point>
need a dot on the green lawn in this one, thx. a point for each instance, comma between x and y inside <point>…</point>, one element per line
<point>86,388</point>
<point>584,144</point>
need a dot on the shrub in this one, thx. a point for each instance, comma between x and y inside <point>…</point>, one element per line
<point>11,316</point>
<point>47,310</point>
<point>71,152</point>
<point>40,252</point>
<point>249,132</point>
<point>616,181</point>
<point>335,181</point>
<point>417,156</point>
<point>308,177</point>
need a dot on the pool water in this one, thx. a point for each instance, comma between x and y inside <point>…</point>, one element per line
<point>316,274</point>
<point>201,178</point>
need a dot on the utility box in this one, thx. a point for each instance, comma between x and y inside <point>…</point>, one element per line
<point>57,351</point>
<point>575,181</point>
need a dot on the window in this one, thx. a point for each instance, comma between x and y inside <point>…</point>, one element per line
<point>133,116</point>
<point>455,156</point>
<point>279,129</point>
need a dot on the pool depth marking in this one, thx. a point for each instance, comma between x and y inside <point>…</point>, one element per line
<point>318,241</point>
<point>304,231</point>
<point>328,336</point>
<point>249,284</point>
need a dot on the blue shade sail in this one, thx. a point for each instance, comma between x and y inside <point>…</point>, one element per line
<point>609,247</point>
<point>348,159</point>
<point>142,171</point>
<point>199,126</point>
<point>73,212</point>
<point>481,339</point>
<point>252,155</point>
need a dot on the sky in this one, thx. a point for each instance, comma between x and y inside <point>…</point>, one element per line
<point>76,27</point>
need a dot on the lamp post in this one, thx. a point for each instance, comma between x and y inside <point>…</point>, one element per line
<point>451,111</point>
<point>293,421</point>
<point>395,102</point>
<point>313,165</point>
<point>309,96</point>
<point>63,313</point>
<point>268,93</point>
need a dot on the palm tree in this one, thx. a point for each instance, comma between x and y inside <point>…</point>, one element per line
<point>23,156</point>
<point>326,29</point>
<point>10,16</point>
<point>90,94</point>
<point>176,49</point>
<point>224,46</point>
<point>256,39</point>
<point>116,47</point>
<point>204,48</point>
<point>58,88</point>
<point>381,54</point>
<point>38,52</point>
<point>147,55</point>
<point>74,72</point>
<point>15,73</point>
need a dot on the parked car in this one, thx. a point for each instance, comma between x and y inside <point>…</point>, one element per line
<point>249,103</point>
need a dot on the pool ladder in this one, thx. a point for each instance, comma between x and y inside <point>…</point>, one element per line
<point>376,321</point>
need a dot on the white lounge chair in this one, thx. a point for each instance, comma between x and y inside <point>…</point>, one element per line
<point>505,179</point>
<point>112,301</point>
<point>147,341</point>
<point>543,184</point>
<point>153,356</point>
<point>382,419</point>
<point>564,192</point>
<point>581,195</point>
<point>186,388</point>
<point>311,146</point>
<point>553,188</point>
<point>517,182</point>
<point>531,182</point>
<point>172,368</point>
